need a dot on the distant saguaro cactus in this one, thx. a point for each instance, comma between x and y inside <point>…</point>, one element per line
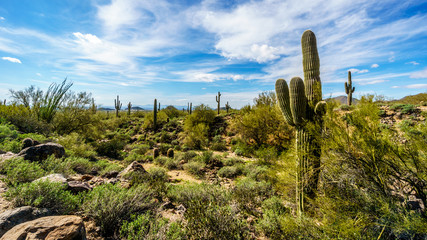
<point>348,89</point>
<point>93,107</point>
<point>218,100</point>
<point>155,115</point>
<point>302,108</point>
<point>227,107</point>
<point>129,108</point>
<point>117,105</point>
<point>191,108</point>
<point>159,107</point>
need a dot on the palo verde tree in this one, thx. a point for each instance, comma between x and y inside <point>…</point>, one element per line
<point>302,107</point>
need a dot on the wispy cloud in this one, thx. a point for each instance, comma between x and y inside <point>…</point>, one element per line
<point>420,86</point>
<point>355,70</point>
<point>413,63</point>
<point>375,65</point>
<point>11,59</point>
<point>2,18</point>
<point>419,74</point>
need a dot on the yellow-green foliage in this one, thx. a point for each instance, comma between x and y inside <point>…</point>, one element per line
<point>75,145</point>
<point>149,120</point>
<point>197,127</point>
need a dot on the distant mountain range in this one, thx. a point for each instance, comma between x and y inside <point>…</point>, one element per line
<point>342,99</point>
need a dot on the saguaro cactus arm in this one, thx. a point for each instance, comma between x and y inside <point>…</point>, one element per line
<point>282,92</point>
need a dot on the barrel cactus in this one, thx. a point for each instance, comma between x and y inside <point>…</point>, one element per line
<point>349,89</point>
<point>302,107</point>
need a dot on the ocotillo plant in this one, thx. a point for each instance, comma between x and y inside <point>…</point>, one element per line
<point>129,108</point>
<point>218,100</point>
<point>227,107</point>
<point>155,115</point>
<point>348,89</point>
<point>302,108</point>
<point>117,105</point>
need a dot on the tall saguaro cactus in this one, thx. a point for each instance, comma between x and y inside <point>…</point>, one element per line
<point>117,105</point>
<point>155,115</point>
<point>302,107</point>
<point>227,107</point>
<point>348,89</point>
<point>191,109</point>
<point>129,108</point>
<point>218,100</point>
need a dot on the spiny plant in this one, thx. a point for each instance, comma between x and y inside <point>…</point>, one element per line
<point>52,100</point>
<point>159,107</point>
<point>191,108</point>
<point>227,107</point>
<point>117,105</point>
<point>218,100</point>
<point>155,114</point>
<point>302,107</point>
<point>348,89</point>
<point>129,108</point>
<point>93,107</point>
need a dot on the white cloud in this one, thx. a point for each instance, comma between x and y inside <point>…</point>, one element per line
<point>373,82</point>
<point>392,58</point>
<point>413,63</point>
<point>2,18</point>
<point>357,71</point>
<point>420,86</point>
<point>419,74</point>
<point>39,74</point>
<point>374,65</point>
<point>10,59</point>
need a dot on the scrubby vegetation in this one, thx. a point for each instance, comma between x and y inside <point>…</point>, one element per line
<point>227,176</point>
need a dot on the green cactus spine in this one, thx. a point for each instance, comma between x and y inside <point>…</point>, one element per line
<point>349,89</point>
<point>129,108</point>
<point>155,115</point>
<point>218,100</point>
<point>117,105</point>
<point>302,107</point>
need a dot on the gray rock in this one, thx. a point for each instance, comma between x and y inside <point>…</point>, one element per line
<point>7,156</point>
<point>133,167</point>
<point>42,151</point>
<point>56,177</point>
<point>78,186</point>
<point>11,218</point>
<point>49,228</point>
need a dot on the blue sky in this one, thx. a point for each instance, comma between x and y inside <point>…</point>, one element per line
<point>181,51</point>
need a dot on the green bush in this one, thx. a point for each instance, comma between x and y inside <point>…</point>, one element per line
<point>208,214</point>
<point>149,227</point>
<point>249,193</point>
<point>197,127</point>
<point>75,145</point>
<point>195,168</point>
<point>232,161</point>
<point>18,170</point>
<point>44,194</point>
<point>404,108</point>
<point>186,156</point>
<point>109,205</point>
<point>113,147</point>
<point>231,171</point>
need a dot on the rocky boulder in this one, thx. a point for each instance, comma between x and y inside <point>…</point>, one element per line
<point>13,217</point>
<point>49,228</point>
<point>42,151</point>
<point>133,167</point>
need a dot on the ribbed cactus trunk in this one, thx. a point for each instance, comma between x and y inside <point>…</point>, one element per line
<point>191,109</point>
<point>302,107</point>
<point>129,108</point>
<point>218,100</point>
<point>349,89</point>
<point>117,105</point>
<point>155,115</point>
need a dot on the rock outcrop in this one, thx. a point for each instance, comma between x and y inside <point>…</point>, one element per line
<point>42,151</point>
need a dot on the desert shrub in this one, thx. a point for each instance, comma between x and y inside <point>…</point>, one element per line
<point>163,148</point>
<point>75,145</point>
<point>197,126</point>
<point>345,107</point>
<point>257,172</point>
<point>249,193</point>
<point>140,148</point>
<point>44,194</point>
<point>404,108</point>
<point>109,205</point>
<point>263,125</point>
<point>208,214</point>
<point>218,144</point>
<point>231,171</point>
<point>18,170</point>
<point>209,159</point>
<point>114,146</point>
<point>72,165</point>
<point>266,156</point>
<point>186,156</point>
<point>196,168</point>
<point>232,161</point>
<point>240,148</point>
<point>172,163</point>
<point>161,160</point>
<point>23,119</point>
<point>133,156</point>
<point>274,214</point>
<point>172,112</point>
<point>149,227</point>
<point>7,131</point>
<point>149,120</point>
